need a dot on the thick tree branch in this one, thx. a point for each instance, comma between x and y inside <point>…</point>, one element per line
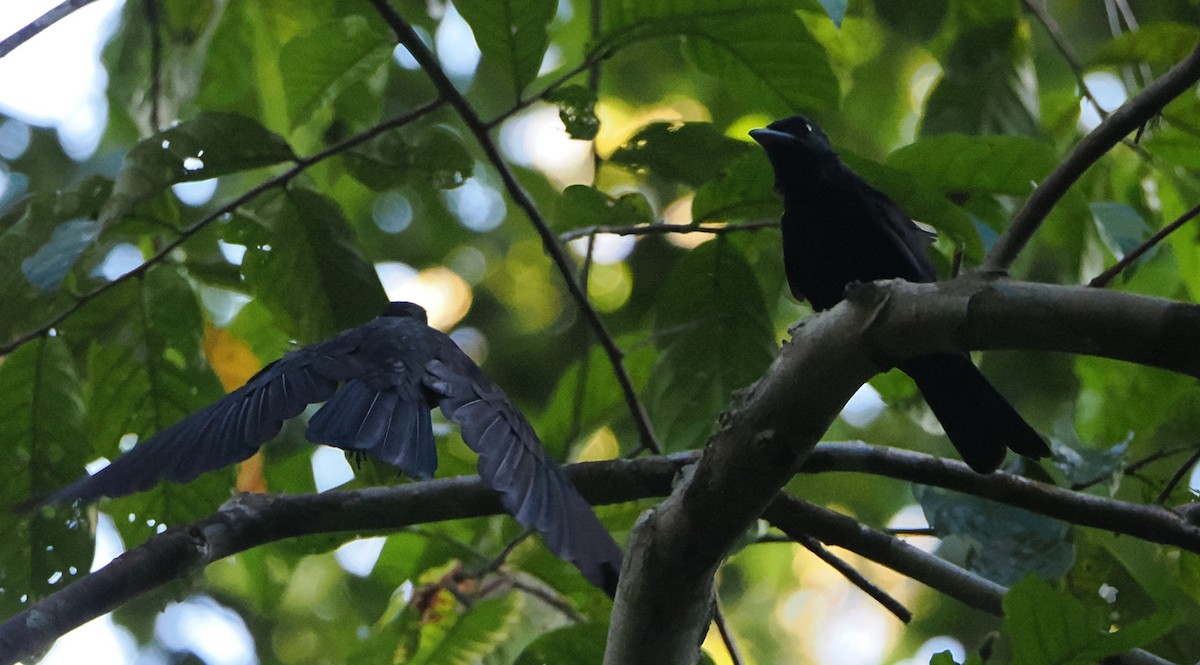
<point>1149,522</point>
<point>662,601</point>
<point>254,519</point>
<point>409,38</point>
<point>1133,114</point>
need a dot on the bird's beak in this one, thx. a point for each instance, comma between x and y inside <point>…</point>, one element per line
<point>767,137</point>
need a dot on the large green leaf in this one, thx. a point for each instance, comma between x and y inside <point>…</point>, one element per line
<point>743,189</point>
<point>304,265</point>
<point>390,159</point>
<point>713,336</point>
<point>207,146</point>
<point>581,206</point>
<point>956,163</point>
<point>1163,43</point>
<point>511,34</point>
<point>145,373</point>
<point>41,420</point>
<point>37,254</point>
<point>318,65</point>
<point>760,48</point>
<point>1049,626</point>
<point>581,644</point>
<point>982,89</point>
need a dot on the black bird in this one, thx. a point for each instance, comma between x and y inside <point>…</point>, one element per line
<point>838,230</point>
<point>391,372</point>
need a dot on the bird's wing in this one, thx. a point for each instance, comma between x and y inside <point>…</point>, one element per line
<point>911,243</point>
<point>228,430</point>
<point>532,487</point>
<point>391,423</point>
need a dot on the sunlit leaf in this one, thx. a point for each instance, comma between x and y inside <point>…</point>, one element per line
<point>577,110</point>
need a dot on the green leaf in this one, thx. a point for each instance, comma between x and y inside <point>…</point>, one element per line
<point>581,644</point>
<point>207,146</point>
<point>759,48</point>
<point>29,231</point>
<point>391,158</point>
<point>479,632</point>
<point>306,267</point>
<point>1003,543</point>
<point>41,421</point>
<point>743,189</point>
<point>580,404</point>
<point>152,376</point>
<point>318,65</point>
<point>511,35</point>
<point>1049,626</point>
<point>581,206</point>
<point>577,110</point>
<point>692,153</point>
<point>1160,43</point>
<point>713,336</point>
<point>955,163</point>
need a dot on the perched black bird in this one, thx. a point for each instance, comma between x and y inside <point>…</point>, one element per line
<point>391,372</point>
<point>837,230</point>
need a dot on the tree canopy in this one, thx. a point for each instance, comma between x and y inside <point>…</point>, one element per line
<point>568,187</point>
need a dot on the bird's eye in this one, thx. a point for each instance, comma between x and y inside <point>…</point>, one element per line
<point>807,128</point>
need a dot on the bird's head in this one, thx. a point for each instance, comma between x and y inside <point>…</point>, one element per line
<point>792,138</point>
<point>405,310</point>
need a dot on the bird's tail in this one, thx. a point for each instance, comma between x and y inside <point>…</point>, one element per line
<point>978,420</point>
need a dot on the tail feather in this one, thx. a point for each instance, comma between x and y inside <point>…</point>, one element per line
<point>978,420</point>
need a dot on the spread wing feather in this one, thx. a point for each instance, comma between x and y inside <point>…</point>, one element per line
<point>532,487</point>
<point>225,432</point>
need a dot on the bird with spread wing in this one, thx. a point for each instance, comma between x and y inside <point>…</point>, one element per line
<point>379,382</point>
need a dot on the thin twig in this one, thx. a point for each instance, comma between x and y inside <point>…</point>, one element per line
<point>1177,478</point>
<point>735,655</point>
<point>1068,53</point>
<point>1131,115</point>
<point>794,516</point>
<point>1105,277</point>
<point>853,576</point>
<point>649,229</point>
<point>278,181</point>
<point>39,24</point>
<point>429,63</point>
